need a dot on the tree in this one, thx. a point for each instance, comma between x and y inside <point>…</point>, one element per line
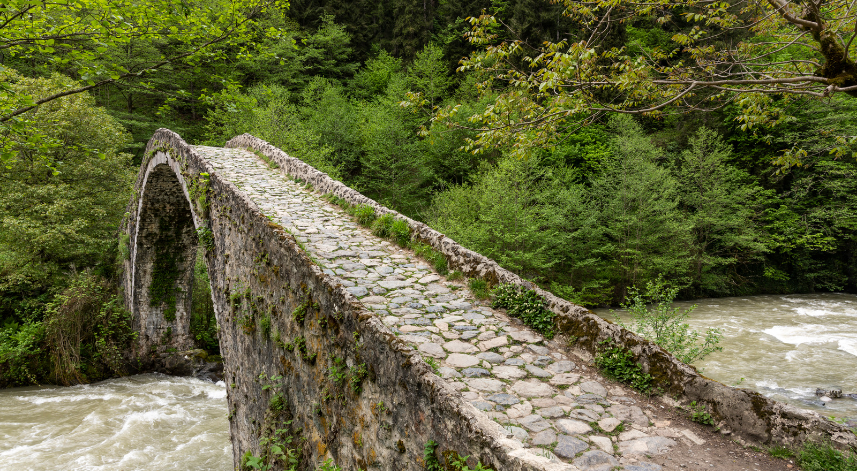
<point>759,54</point>
<point>73,36</point>
<point>54,221</point>
<point>722,206</point>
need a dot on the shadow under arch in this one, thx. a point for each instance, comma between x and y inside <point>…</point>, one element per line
<point>162,225</point>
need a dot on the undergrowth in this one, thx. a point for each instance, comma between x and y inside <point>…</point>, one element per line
<point>619,364</point>
<point>527,306</point>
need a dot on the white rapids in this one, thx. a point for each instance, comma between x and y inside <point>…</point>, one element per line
<point>783,346</point>
<point>146,422</point>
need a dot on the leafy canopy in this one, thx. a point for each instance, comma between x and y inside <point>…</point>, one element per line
<point>74,36</point>
<point>758,54</point>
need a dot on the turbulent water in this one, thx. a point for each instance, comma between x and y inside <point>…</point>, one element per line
<point>145,422</point>
<point>784,346</point>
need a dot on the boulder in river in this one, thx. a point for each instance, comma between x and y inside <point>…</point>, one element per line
<point>829,393</point>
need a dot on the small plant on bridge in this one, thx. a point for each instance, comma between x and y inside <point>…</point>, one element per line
<point>619,364</point>
<point>388,227</point>
<point>437,259</point>
<point>656,320</point>
<point>205,237</point>
<point>479,288</point>
<point>699,415</point>
<point>364,213</point>
<point>527,306</point>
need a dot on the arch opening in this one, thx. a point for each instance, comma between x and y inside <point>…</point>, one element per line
<point>165,254</point>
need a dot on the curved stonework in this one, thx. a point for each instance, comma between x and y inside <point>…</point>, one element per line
<point>749,416</point>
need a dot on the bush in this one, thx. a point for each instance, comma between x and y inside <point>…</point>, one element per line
<point>527,306</point>
<point>86,330</point>
<point>665,325</point>
<point>389,227</point>
<point>619,364</point>
<point>21,358</point>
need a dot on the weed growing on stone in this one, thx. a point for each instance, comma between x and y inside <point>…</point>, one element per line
<point>432,363</point>
<point>618,363</point>
<point>329,465</point>
<point>456,275</point>
<point>479,288</point>
<point>365,214</point>
<point>389,227</point>
<point>205,237</point>
<point>265,325</point>
<point>699,415</point>
<point>431,461</point>
<point>358,374</point>
<point>437,259</point>
<point>527,306</point>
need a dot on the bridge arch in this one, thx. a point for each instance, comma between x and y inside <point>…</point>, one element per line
<point>165,222</point>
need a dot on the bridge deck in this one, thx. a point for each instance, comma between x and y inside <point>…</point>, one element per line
<point>544,398</point>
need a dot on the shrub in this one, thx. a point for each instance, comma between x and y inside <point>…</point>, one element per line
<point>527,306</point>
<point>365,214</point>
<point>657,321</point>
<point>86,330</point>
<point>389,227</point>
<point>619,364</point>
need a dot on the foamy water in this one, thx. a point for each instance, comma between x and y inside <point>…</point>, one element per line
<point>145,422</point>
<point>784,346</point>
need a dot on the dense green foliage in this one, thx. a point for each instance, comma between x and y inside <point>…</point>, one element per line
<point>619,364</point>
<point>592,214</point>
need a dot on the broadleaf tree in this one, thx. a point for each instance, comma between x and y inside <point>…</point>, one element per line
<point>758,54</point>
<point>74,36</point>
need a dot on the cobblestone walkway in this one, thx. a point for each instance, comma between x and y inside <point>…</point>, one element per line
<point>503,368</point>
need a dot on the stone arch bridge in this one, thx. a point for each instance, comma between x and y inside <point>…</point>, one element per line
<point>365,353</point>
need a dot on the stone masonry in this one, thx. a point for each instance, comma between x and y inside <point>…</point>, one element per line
<point>304,293</point>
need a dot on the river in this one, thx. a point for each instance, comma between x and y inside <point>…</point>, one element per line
<point>145,422</point>
<point>783,346</point>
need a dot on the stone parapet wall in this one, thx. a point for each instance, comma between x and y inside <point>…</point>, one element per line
<point>749,416</point>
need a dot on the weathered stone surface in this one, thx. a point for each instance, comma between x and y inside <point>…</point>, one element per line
<point>433,350</point>
<point>545,437</point>
<point>594,388</point>
<point>573,427</point>
<point>609,424</point>
<point>504,399</point>
<point>508,372</point>
<point>534,423</point>
<point>596,460</point>
<point>457,346</point>
<point>460,360</point>
<point>532,389</point>
<point>569,446</point>
<point>647,446</point>
<point>491,357</point>
<point>603,443</point>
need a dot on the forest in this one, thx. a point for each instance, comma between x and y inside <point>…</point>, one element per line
<point>401,100</point>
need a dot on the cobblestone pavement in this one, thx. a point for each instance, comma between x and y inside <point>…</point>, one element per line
<point>543,399</point>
